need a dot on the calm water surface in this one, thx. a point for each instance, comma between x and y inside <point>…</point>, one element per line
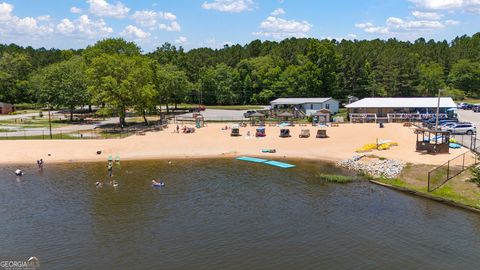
<point>225,214</point>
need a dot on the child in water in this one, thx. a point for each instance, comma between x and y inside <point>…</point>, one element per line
<point>110,169</point>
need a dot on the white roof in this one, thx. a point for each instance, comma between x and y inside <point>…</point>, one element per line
<point>410,102</point>
<point>295,101</point>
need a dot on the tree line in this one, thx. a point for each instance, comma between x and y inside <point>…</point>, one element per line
<point>117,75</point>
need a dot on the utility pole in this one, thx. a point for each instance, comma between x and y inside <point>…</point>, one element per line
<point>49,121</point>
<point>438,110</point>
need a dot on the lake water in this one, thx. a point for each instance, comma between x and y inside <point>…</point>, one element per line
<point>225,214</point>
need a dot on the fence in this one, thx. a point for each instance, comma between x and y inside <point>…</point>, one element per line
<point>442,174</point>
<point>91,134</point>
<point>469,141</point>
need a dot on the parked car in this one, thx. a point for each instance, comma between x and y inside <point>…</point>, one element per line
<point>466,106</point>
<point>431,123</point>
<point>463,128</point>
<point>476,108</point>
<point>446,125</point>
<point>248,114</point>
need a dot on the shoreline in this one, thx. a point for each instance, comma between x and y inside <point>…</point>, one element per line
<point>428,196</point>
<point>168,158</point>
<point>213,142</point>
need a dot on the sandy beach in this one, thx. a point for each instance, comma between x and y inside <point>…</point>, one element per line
<point>212,141</point>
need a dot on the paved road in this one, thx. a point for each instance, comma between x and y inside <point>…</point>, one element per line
<point>468,116</point>
<point>220,115</point>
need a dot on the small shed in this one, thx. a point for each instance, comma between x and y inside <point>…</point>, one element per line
<point>257,119</point>
<point>6,108</point>
<point>285,117</point>
<point>321,117</point>
<point>433,141</point>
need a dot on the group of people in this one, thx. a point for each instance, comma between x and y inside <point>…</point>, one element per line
<point>114,183</point>
<point>185,129</point>
<point>19,172</point>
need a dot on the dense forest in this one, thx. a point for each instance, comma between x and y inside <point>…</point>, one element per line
<point>116,74</point>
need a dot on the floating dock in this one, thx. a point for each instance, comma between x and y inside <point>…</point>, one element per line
<point>268,162</point>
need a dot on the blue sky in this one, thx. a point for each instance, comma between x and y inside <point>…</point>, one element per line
<point>213,23</point>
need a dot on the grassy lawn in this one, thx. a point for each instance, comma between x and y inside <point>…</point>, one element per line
<point>342,112</point>
<point>42,137</point>
<point>469,100</point>
<point>458,189</point>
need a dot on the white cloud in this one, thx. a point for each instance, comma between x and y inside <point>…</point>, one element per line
<point>134,32</point>
<point>146,18</point>
<point>13,25</point>
<point>233,6</point>
<point>181,40</point>
<point>347,37</point>
<point>464,5</point>
<point>279,28</point>
<point>394,25</point>
<point>451,22</point>
<point>151,19</point>
<point>171,27</point>
<point>75,10</point>
<point>213,43</point>
<point>427,15</point>
<point>102,8</point>
<point>65,27</point>
<point>278,11</point>
<point>91,28</point>
<point>168,16</point>
<point>372,29</point>
<point>44,18</point>
<point>397,23</point>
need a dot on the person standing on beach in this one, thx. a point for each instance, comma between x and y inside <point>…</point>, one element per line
<point>178,129</point>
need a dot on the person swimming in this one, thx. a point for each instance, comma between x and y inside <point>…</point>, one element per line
<point>114,183</point>
<point>18,172</point>
<point>156,183</point>
<point>99,184</point>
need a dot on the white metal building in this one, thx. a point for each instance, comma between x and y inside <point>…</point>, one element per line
<point>308,106</point>
<point>399,108</point>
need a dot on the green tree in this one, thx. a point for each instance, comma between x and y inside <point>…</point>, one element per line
<point>14,72</point>
<point>121,81</point>
<point>62,84</point>
<point>431,78</point>
<point>111,46</point>
<point>465,75</point>
<point>172,85</point>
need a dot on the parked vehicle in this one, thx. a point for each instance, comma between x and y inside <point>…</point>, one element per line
<point>476,108</point>
<point>466,106</point>
<point>248,114</point>
<point>446,125</point>
<point>431,123</point>
<point>463,128</point>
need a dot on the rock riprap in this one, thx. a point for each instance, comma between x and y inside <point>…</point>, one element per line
<point>374,167</point>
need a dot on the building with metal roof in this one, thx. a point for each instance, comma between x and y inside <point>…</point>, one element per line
<point>306,106</point>
<point>399,107</point>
